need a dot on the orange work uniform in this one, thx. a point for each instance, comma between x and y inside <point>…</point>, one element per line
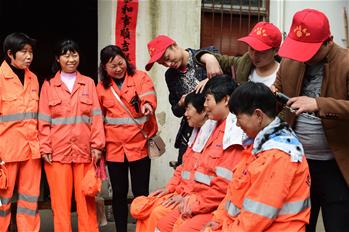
<point>19,147</point>
<point>211,178</point>
<point>181,182</point>
<point>268,193</point>
<point>70,124</point>
<point>204,177</point>
<point>123,136</point>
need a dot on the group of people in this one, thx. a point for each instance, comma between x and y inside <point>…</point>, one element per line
<point>69,126</point>
<point>246,162</point>
<point>292,159</point>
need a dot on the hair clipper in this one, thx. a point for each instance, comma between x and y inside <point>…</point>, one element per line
<point>282,98</point>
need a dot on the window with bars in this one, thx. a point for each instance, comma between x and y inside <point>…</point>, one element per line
<point>224,21</point>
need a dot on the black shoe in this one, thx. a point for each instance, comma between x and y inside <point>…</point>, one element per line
<point>173,164</point>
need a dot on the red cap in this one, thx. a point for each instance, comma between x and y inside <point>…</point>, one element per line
<point>263,36</point>
<point>309,29</point>
<point>157,48</point>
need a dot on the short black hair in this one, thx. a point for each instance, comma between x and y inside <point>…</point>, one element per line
<point>61,48</point>
<point>196,99</point>
<point>220,86</point>
<point>16,42</point>
<point>251,96</point>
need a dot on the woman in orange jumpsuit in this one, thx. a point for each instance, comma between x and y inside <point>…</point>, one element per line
<point>126,145</point>
<point>19,143</point>
<point>207,169</point>
<point>183,178</point>
<point>71,137</point>
<point>221,153</point>
<point>270,190</point>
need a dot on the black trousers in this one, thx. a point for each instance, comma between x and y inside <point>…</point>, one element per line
<point>329,192</point>
<point>118,172</point>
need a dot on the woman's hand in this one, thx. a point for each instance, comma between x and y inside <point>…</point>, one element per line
<point>273,89</point>
<point>159,192</point>
<point>96,155</point>
<point>172,201</point>
<point>213,225</point>
<point>200,87</point>
<point>181,101</point>
<point>212,66</point>
<point>47,157</point>
<point>185,207</point>
<point>147,109</point>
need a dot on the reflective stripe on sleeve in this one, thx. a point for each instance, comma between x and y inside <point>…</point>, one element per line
<point>203,178</point>
<point>18,116</point>
<point>185,175</point>
<point>224,173</point>
<point>147,93</point>
<point>232,209</point>
<point>260,208</point>
<point>295,207</point>
<point>125,121</point>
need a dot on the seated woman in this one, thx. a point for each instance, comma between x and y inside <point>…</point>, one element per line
<point>206,171</point>
<point>220,152</point>
<point>270,188</point>
<point>163,200</point>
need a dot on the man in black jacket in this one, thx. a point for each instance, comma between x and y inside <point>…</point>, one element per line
<point>183,76</point>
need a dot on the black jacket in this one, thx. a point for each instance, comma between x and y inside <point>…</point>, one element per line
<point>176,91</point>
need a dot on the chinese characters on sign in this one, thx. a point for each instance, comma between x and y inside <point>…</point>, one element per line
<point>125,27</point>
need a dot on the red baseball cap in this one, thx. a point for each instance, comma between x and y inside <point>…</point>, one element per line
<point>157,48</point>
<point>263,36</point>
<point>309,29</point>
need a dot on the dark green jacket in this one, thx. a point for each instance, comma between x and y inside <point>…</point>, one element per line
<point>239,67</point>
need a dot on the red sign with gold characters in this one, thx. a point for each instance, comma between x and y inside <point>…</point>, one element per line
<point>125,27</point>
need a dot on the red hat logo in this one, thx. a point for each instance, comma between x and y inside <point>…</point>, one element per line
<point>260,31</point>
<point>301,32</point>
<point>151,51</point>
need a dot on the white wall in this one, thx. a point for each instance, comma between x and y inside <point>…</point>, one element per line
<point>179,19</point>
<point>171,18</point>
<point>282,11</point>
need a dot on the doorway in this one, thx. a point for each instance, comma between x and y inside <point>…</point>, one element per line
<point>49,22</point>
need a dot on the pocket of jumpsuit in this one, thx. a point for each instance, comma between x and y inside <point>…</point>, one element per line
<point>56,107</point>
<point>108,104</point>
<point>86,106</point>
<point>10,105</point>
<point>213,158</point>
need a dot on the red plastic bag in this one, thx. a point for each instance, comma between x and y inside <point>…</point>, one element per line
<point>91,184</point>
<point>100,170</point>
